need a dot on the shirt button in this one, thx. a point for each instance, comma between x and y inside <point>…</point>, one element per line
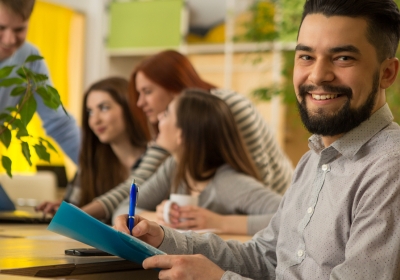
<point>310,210</point>
<point>300,253</point>
<point>324,167</point>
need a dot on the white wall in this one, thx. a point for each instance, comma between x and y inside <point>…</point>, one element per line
<point>96,62</point>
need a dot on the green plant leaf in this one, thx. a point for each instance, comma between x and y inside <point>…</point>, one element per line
<point>11,109</point>
<point>47,97</point>
<point>22,131</point>
<point>25,73</point>
<point>11,82</point>
<point>32,58</point>
<point>50,97</point>
<point>18,91</point>
<point>4,116</point>
<point>40,77</point>
<point>6,162</point>
<point>42,91</point>
<point>21,72</point>
<point>42,153</point>
<point>5,71</point>
<point>56,97</point>
<point>5,137</point>
<point>49,145</point>
<point>26,152</point>
<point>265,93</point>
<point>28,110</point>
<point>54,94</point>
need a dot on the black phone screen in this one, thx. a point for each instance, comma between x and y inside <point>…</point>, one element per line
<point>86,252</point>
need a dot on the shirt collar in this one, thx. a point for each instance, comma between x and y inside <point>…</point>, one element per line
<point>350,143</point>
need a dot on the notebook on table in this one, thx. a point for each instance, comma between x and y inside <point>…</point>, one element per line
<point>10,214</point>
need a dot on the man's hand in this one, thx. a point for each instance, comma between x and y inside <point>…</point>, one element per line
<point>149,232</point>
<point>184,267</point>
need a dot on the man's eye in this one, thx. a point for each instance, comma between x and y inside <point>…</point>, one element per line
<point>19,30</point>
<point>305,57</point>
<point>344,58</point>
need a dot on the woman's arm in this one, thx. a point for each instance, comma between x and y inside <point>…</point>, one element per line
<point>197,218</point>
<point>104,206</point>
<point>232,203</point>
<point>244,201</point>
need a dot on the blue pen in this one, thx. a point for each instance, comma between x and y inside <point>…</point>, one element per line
<point>132,204</point>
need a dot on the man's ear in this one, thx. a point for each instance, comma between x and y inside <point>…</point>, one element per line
<point>389,70</point>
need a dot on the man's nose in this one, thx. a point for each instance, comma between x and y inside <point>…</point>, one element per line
<point>321,72</point>
<point>8,37</point>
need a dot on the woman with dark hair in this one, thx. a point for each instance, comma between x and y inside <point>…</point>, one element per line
<point>208,160</point>
<point>153,85</point>
<point>113,142</point>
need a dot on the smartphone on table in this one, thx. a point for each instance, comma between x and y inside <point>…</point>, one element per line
<point>86,252</point>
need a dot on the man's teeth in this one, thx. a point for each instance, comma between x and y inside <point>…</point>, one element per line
<point>324,96</point>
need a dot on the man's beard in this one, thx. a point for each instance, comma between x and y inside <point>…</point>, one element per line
<point>326,123</point>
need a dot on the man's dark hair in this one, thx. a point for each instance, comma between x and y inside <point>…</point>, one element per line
<point>22,8</point>
<point>382,16</point>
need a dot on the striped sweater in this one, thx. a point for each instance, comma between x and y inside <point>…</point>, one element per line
<point>274,167</point>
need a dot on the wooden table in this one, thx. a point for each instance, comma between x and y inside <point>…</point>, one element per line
<point>31,250</point>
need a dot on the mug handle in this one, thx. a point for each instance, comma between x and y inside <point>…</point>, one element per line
<point>167,207</point>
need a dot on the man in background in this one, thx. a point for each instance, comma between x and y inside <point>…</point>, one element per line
<point>339,219</point>
<point>14,21</point>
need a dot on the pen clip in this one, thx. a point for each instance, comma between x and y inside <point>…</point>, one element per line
<point>137,191</point>
<point>137,195</point>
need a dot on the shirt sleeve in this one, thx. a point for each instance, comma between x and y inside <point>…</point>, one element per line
<point>151,160</point>
<point>372,250</point>
<point>249,260</point>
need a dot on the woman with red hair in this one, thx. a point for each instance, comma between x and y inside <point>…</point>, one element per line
<point>153,85</point>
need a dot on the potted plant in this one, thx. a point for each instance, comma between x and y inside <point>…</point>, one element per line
<point>14,120</point>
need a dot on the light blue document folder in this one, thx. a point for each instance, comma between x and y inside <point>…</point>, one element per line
<point>72,222</point>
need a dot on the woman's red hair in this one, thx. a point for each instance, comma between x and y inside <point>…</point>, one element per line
<point>170,70</point>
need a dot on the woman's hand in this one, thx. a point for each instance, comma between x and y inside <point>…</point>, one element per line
<point>194,217</point>
<point>149,232</point>
<point>173,214</point>
<point>48,207</point>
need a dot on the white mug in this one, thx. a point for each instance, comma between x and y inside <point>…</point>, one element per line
<point>181,200</point>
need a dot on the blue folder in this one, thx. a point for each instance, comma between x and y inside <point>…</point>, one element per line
<point>72,222</point>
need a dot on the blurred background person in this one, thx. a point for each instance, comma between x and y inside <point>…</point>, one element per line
<point>153,85</point>
<point>113,142</point>
<point>210,161</point>
<point>14,50</point>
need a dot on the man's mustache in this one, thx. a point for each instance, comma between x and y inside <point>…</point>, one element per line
<point>340,90</point>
